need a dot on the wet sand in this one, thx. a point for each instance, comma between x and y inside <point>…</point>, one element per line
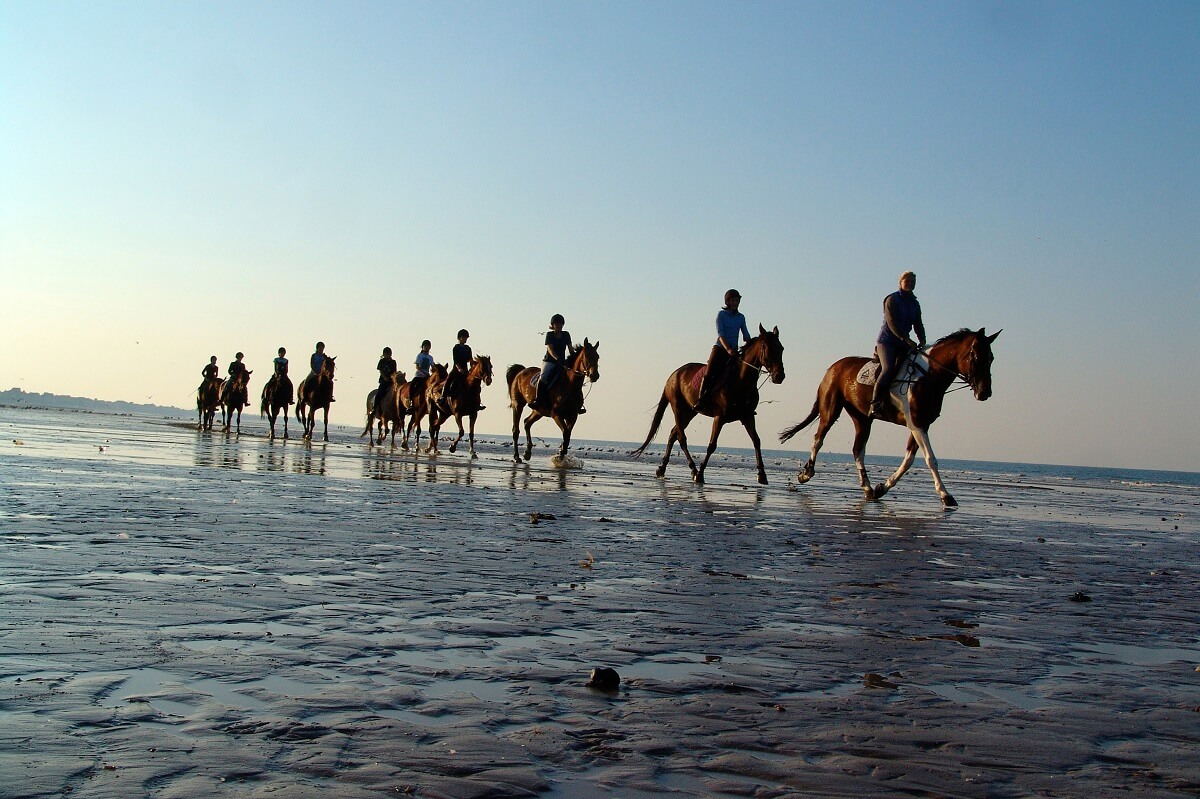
<point>187,614</point>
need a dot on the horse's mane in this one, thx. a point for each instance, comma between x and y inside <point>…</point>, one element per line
<point>957,335</point>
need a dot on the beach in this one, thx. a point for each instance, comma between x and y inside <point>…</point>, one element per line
<point>187,614</point>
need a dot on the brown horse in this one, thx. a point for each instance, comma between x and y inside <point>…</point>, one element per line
<point>915,403</point>
<point>391,410</point>
<point>235,395</point>
<point>316,392</point>
<point>208,399</point>
<point>733,400</point>
<point>562,400</point>
<point>424,404</point>
<point>465,401</point>
<point>276,397</point>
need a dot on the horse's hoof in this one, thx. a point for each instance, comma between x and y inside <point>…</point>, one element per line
<point>949,502</point>
<point>453,448</point>
<point>698,479</point>
<point>803,477</point>
<point>762,479</point>
<point>660,473</point>
<point>877,492</point>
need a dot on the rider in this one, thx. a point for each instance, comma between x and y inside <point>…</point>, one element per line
<point>558,346</point>
<point>423,364</point>
<point>281,363</point>
<point>236,367</point>
<point>316,361</point>
<point>730,324</point>
<point>210,372</point>
<point>281,371</point>
<point>461,355</point>
<point>901,315</point>
<point>387,370</point>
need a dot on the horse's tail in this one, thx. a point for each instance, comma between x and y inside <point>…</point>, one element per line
<point>658,417</point>
<point>267,393</point>
<point>509,377</point>
<point>796,428</point>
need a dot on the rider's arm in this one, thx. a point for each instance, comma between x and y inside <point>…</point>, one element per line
<point>919,327</point>
<point>889,319</point>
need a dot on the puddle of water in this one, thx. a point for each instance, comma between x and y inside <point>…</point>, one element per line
<point>146,682</point>
<point>970,693</point>
<point>1138,655</point>
<point>138,576</point>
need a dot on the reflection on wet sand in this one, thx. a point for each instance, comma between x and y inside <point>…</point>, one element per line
<point>310,459</point>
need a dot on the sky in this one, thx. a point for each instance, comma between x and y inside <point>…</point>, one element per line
<point>180,180</point>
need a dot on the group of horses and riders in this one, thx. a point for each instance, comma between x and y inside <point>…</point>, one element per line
<point>232,393</point>
<point>904,383</point>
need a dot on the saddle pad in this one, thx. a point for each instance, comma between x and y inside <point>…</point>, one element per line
<point>698,378</point>
<point>869,374</point>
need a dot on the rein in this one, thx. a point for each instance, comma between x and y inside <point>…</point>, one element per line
<point>912,359</point>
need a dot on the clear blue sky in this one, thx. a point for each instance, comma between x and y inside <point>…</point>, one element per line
<point>185,179</point>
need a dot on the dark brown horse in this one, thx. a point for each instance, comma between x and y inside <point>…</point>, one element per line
<point>208,400</point>
<point>734,399</point>
<point>562,401</point>
<point>235,395</point>
<point>276,397</point>
<point>465,401</point>
<point>391,410</point>
<point>915,403</point>
<point>423,404</point>
<point>316,392</point>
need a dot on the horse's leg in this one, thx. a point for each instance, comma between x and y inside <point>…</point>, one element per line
<point>529,420</point>
<point>717,424</point>
<point>471,435</point>
<point>671,439</point>
<point>566,434</point>
<point>682,419</point>
<point>862,432</point>
<point>285,422</point>
<point>326,409</point>
<point>828,417</point>
<point>918,438</point>
<point>454,443</point>
<point>752,431</point>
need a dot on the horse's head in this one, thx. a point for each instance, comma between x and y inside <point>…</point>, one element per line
<point>587,360</point>
<point>766,353</point>
<point>328,365</point>
<point>243,378</point>
<point>482,369</point>
<point>399,379</point>
<point>973,359</point>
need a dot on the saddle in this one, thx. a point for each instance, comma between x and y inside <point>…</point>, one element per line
<point>915,365</point>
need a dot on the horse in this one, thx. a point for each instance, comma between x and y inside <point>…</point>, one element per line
<point>562,400</point>
<point>734,399</point>
<point>464,402</point>
<point>424,403</point>
<point>316,392</point>
<point>208,399</point>
<point>276,397</point>
<point>234,397</point>
<point>916,404</point>
<point>391,410</point>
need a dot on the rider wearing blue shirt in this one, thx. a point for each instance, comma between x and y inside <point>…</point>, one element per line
<point>730,324</point>
<point>901,316</point>
<point>316,361</point>
<point>423,363</point>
